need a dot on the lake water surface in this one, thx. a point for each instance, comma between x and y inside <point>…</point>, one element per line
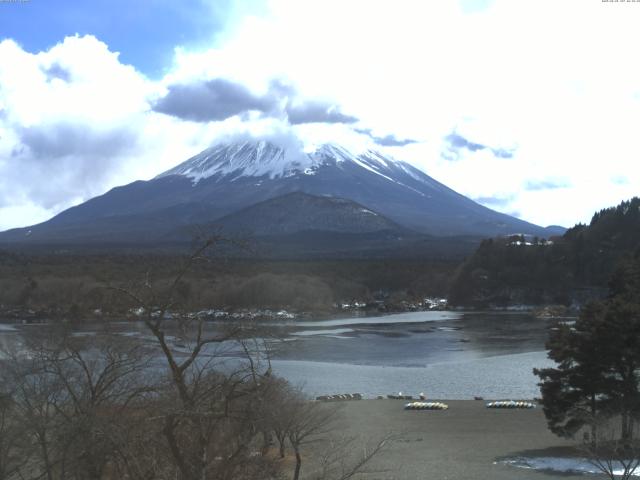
<point>447,355</point>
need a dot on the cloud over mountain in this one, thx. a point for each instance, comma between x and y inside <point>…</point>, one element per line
<point>63,159</point>
<point>219,99</point>
<point>72,117</point>
<point>75,121</point>
<point>455,143</point>
<point>317,112</point>
<point>386,141</point>
<point>211,100</point>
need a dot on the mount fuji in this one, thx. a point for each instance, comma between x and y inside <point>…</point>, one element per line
<point>264,190</point>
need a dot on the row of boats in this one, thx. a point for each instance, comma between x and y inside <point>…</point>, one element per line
<point>510,404</point>
<point>444,406</point>
<point>426,406</point>
<point>423,404</point>
<point>339,397</point>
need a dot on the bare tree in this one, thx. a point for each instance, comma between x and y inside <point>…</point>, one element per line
<point>278,401</point>
<point>209,423</point>
<point>313,427</point>
<point>36,397</point>
<point>101,378</point>
<point>13,454</point>
<point>217,420</point>
<point>71,397</point>
<point>309,422</point>
<point>336,463</point>
<point>615,455</point>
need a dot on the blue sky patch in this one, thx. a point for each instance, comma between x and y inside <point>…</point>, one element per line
<point>144,32</point>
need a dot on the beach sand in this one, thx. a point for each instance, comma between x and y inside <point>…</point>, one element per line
<point>463,442</point>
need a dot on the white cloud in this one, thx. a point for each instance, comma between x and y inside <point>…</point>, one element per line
<point>75,122</point>
<point>554,82</point>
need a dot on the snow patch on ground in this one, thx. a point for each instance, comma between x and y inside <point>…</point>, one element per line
<point>369,212</point>
<point>411,317</point>
<point>559,464</point>
<point>334,332</point>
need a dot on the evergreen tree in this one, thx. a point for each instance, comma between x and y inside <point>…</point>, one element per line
<point>598,362</point>
<point>571,392</point>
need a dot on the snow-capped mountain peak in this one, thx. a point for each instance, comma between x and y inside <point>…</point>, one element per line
<point>255,159</point>
<point>262,158</point>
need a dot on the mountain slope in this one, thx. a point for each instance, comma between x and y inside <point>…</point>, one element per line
<point>298,226</point>
<point>299,212</point>
<point>228,178</point>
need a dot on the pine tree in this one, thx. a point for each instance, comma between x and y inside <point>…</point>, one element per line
<point>571,392</point>
<point>598,362</point>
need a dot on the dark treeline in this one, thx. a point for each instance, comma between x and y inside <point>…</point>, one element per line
<point>76,285</point>
<point>565,270</point>
<point>568,269</point>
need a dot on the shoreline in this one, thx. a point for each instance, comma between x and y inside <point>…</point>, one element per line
<point>465,442</point>
<point>14,314</point>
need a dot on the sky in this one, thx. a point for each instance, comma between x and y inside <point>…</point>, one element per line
<point>530,108</point>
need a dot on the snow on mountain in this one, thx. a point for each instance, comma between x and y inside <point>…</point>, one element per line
<point>245,159</point>
<point>264,159</point>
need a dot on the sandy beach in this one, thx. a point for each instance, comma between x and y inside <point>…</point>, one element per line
<point>463,442</point>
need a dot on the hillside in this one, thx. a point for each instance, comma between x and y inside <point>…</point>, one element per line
<point>297,211</point>
<point>568,269</point>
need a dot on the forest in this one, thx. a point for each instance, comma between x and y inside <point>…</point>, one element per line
<point>77,286</point>
<point>567,270</point>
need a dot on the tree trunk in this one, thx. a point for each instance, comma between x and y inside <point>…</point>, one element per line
<point>266,441</point>
<point>169,435</point>
<point>594,426</point>
<point>45,455</point>
<point>625,433</point>
<point>204,463</point>
<point>296,473</point>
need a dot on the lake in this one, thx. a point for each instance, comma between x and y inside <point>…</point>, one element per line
<point>447,355</point>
